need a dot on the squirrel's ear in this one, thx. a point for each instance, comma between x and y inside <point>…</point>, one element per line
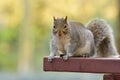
<point>66,19</point>
<point>54,18</point>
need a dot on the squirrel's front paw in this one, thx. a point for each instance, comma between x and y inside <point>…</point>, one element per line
<point>65,57</point>
<point>50,58</point>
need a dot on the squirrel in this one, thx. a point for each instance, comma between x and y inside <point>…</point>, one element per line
<point>72,38</point>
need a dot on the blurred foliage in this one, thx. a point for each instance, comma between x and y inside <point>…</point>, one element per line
<point>41,12</point>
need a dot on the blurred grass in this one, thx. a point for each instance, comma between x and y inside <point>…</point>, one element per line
<point>8,62</point>
<point>8,48</point>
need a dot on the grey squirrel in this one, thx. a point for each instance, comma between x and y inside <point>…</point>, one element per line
<point>71,38</point>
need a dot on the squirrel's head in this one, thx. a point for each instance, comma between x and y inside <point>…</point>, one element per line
<point>60,26</point>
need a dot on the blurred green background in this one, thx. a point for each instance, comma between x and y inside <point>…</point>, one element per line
<point>25,27</point>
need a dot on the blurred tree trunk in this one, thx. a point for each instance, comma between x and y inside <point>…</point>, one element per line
<point>118,35</point>
<point>25,45</point>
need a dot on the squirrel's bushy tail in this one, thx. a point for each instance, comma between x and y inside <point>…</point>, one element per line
<point>103,36</point>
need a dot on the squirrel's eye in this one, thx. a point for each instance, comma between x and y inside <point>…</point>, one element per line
<point>53,26</point>
<point>65,26</point>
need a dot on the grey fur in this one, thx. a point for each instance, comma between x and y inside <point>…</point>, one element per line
<point>78,41</point>
<point>96,39</point>
<point>103,36</point>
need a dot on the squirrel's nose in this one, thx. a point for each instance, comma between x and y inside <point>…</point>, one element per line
<point>59,34</point>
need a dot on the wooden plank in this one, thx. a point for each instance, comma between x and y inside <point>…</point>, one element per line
<point>88,65</point>
<point>111,77</point>
<point>117,77</point>
<point>108,77</point>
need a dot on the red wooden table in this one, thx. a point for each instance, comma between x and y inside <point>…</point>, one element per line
<point>109,66</point>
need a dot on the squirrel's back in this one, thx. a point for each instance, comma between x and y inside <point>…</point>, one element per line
<point>103,36</point>
<point>78,31</point>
